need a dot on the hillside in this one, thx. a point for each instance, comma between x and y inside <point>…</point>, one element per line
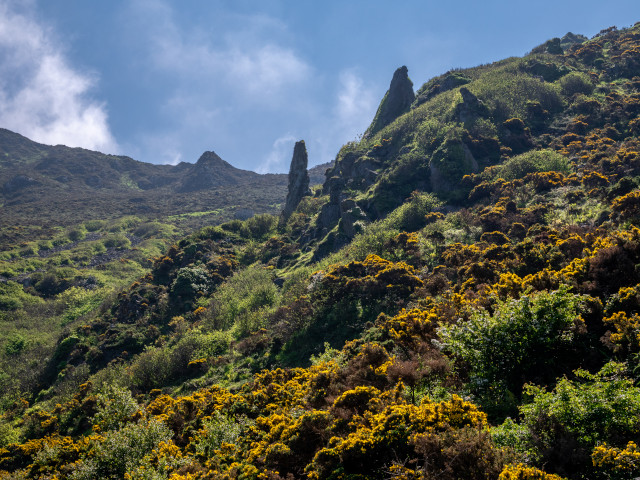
<point>459,299</point>
<point>48,186</point>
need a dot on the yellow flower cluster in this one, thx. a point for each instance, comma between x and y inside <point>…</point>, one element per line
<point>524,472</point>
<point>622,463</point>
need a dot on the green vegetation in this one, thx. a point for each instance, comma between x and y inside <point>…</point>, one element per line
<point>460,299</point>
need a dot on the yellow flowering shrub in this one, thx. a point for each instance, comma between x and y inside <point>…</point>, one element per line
<point>381,437</point>
<point>524,472</point>
<point>617,463</point>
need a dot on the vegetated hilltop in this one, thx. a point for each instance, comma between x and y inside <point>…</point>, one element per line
<point>460,299</point>
<point>46,186</point>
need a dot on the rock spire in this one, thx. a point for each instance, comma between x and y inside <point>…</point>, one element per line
<point>396,101</point>
<point>298,179</point>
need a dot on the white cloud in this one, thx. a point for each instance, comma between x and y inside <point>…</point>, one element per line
<point>279,158</point>
<point>355,105</point>
<point>252,66</point>
<point>41,95</point>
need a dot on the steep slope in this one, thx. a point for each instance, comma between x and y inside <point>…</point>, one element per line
<point>460,300</point>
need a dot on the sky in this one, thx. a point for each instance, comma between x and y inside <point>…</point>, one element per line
<point>162,81</point>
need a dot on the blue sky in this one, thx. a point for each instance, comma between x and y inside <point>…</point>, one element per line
<point>162,81</point>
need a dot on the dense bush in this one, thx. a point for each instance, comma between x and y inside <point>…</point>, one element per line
<point>121,451</point>
<point>521,341</point>
<point>576,82</point>
<point>530,162</point>
<point>560,428</point>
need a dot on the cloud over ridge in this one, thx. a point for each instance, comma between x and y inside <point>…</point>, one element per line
<point>41,95</point>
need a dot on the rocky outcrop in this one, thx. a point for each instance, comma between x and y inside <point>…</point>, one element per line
<point>438,85</point>
<point>470,108</point>
<point>396,101</point>
<point>298,179</point>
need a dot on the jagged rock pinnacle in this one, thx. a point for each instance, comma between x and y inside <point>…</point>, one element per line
<point>396,101</point>
<point>298,179</point>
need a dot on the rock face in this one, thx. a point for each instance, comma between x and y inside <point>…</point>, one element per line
<point>470,108</point>
<point>298,179</point>
<point>396,101</point>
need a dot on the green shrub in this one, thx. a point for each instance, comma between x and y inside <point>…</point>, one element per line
<point>119,241</point>
<point>506,92</point>
<point>410,216</point>
<point>94,225</point>
<point>560,428</point>
<point>151,369</point>
<point>9,304</point>
<point>153,229</point>
<point>241,297</point>
<point>530,162</point>
<point>521,341</point>
<point>219,429</point>
<point>15,344</point>
<point>121,451</point>
<point>116,407</point>
<point>123,224</point>
<point>8,434</point>
<point>189,282</point>
<point>576,82</point>
<point>259,226</point>
<point>210,344</point>
<point>372,241</point>
<point>77,234</point>
<point>52,283</point>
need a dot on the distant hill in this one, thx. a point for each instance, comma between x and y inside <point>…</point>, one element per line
<point>317,173</point>
<point>57,185</point>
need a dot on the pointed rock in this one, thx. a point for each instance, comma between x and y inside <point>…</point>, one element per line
<point>298,179</point>
<point>396,101</point>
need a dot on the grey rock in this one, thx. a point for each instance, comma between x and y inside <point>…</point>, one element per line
<point>396,101</point>
<point>350,213</point>
<point>298,179</point>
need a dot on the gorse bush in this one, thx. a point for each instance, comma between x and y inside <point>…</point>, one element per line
<point>396,326</point>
